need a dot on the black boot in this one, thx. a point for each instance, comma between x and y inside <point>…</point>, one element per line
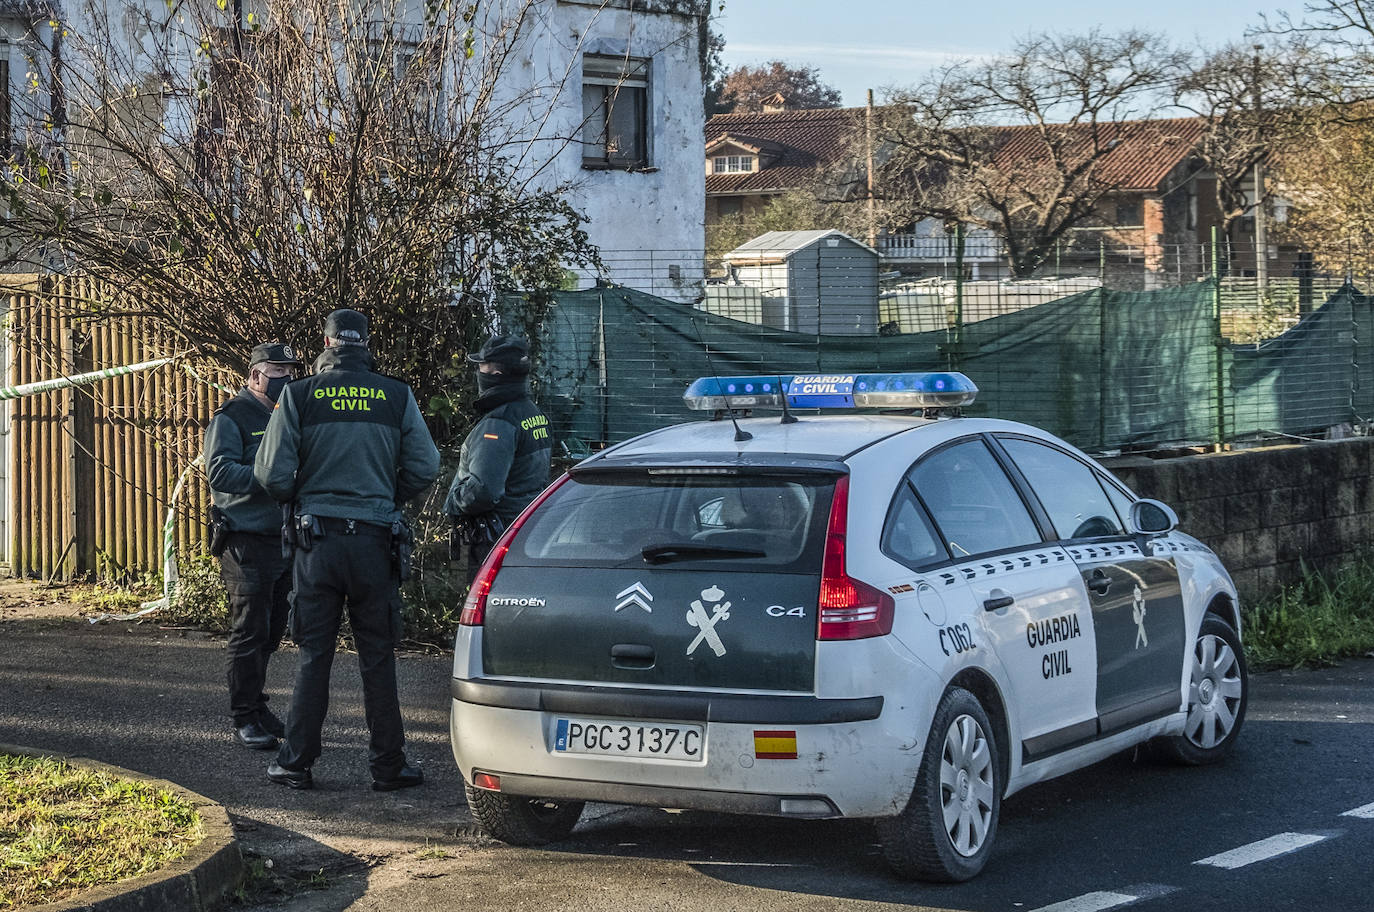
<point>254,735</point>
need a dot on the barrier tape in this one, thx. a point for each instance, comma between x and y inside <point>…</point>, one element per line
<point>59,383</point>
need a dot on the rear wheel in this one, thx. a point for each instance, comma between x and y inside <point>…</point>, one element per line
<point>1218,691</point>
<point>947,829</point>
<point>522,821</point>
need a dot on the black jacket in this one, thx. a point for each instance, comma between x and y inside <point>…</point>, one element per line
<point>504,463</point>
<point>347,442</point>
<point>231,445</point>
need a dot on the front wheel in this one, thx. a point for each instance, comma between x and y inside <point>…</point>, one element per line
<point>946,832</point>
<point>522,821</point>
<point>1218,691</point>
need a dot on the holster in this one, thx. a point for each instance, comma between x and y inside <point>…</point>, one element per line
<point>402,548</point>
<point>219,531</point>
<point>308,528</point>
<point>481,530</point>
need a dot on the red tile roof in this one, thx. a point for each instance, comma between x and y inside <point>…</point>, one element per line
<point>806,139</point>
<point>1147,152</point>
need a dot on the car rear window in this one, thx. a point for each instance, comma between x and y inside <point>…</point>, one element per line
<point>712,520</point>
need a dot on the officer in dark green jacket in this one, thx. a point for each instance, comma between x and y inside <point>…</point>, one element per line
<point>504,463</point>
<point>346,447</point>
<point>246,537</point>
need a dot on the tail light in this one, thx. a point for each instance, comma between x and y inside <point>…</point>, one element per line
<point>850,609</point>
<point>475,605</point>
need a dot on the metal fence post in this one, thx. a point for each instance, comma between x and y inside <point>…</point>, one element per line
<point>1102,369</point>
<point>1218,343</point>
<point>953,355</point>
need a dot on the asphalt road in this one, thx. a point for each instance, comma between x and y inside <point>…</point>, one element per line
<point>1272,823</point>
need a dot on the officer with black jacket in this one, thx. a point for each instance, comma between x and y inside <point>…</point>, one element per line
<point>245,529</point>
<point>504,463</point>
<point>346,447</point>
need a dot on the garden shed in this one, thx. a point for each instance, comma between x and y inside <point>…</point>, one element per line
<point>810,281</point>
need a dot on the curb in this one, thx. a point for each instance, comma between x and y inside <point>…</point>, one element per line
<point>199,881</point>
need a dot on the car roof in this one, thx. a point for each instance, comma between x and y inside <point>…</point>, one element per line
<point>821,436</point>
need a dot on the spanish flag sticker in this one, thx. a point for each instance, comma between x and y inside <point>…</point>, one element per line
<point>775,745</point>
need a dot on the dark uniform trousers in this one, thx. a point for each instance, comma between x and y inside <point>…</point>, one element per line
<point>354,568</point>
<point>258,580</point>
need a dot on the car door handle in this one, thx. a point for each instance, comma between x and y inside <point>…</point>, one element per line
<point>998,601</point>
<point>1099,582</point>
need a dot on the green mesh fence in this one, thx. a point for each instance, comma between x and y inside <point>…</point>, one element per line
<point>1103,369</point>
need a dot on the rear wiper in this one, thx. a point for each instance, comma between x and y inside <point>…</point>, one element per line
<point>658,554</point>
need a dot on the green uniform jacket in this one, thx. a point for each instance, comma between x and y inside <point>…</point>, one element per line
<point>347,442</point>
<point>231,444</point>
<point>504,463</point>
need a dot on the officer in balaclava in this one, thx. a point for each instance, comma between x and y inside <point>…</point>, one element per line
<point>504,462</point>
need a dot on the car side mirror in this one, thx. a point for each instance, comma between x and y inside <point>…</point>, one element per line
<point>1151,517</point>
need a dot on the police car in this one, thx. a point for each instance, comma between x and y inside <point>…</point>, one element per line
<point>905,617</point>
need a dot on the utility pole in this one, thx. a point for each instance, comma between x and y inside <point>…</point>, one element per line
<point>868,144</point>
<point>1261,233</point>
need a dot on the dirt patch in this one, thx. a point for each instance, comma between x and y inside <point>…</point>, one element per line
<point>27,600</point>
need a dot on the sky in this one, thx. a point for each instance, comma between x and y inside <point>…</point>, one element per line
<point>863,44</point>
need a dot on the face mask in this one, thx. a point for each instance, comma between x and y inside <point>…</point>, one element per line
<point>486,382</point>
<point>275,385</point>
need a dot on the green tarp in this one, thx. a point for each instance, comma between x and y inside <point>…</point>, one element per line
<point>1103,369</point>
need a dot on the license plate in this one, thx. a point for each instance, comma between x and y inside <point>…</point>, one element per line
<point>629,739</point>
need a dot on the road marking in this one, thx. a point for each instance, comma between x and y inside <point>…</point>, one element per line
<point>1364,813</point>
<point>1265,849</point>
<point>1091,902</point>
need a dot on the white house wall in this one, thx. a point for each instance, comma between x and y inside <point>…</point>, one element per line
<point>648,223</point>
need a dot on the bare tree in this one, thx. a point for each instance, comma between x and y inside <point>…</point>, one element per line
<point>1017,145</point>
<point>744,89</point>
<point>238,171</point>
<point>1258,105</point>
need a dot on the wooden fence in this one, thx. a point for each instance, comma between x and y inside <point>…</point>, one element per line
<point>91,468</point>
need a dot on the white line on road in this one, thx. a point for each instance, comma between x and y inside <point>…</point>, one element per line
<point>1364,813</point>
<point>1091,902</point>
<point>1260,851</point>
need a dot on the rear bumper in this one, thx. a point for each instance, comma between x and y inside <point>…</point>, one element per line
<point>810,806</point>
<point>626,703</point>
<point>853,768</point>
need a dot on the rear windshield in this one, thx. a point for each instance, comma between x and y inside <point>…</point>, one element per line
<point>714,520</point>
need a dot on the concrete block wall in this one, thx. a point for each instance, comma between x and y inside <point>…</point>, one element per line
<point>1267,510</point>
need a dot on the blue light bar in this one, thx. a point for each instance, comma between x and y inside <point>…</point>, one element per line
<point>914,390</point>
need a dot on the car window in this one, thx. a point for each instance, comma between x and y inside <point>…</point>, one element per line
<point>972,501</point>
<point>1121,501</point>
<point>1068,489</point>
<point>612,518</point>
<point>908,536</point>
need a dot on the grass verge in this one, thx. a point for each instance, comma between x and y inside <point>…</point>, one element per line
<point>1323,617</point>
<point>64,829</point>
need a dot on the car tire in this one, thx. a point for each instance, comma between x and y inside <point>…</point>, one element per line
<point>947,830</point>
<point>522,821</point>
<point>1218,693</point>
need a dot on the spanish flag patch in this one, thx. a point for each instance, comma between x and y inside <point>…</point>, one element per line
<point>492,436</point>
<point>775,745</point>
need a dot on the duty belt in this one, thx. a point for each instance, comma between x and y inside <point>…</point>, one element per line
<point>335,526</point>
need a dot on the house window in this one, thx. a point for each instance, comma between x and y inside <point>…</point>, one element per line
<point>734,164</point>
<point>615,111</point>
<point>1130,213</point>
<point>727,206</point>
